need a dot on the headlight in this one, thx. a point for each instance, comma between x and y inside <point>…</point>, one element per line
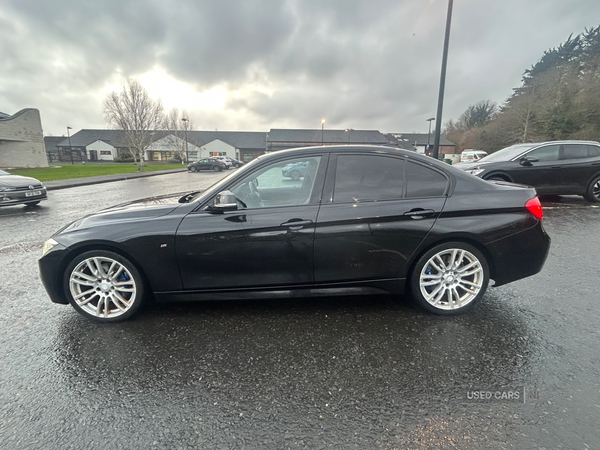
<point>7,189</point>
<point>48,245</point>
<point>475,171</point>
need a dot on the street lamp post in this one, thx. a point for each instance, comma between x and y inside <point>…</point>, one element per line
<point>429,132</point>
<point>438,121</point>
<point>70,146</point>
<point>322,127</point>
<point>185,125</point>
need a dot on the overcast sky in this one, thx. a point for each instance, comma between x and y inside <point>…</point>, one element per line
<point>253,65</point>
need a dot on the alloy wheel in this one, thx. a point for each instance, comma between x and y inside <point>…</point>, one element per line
<point>103,287</point>
<point>451,279</point>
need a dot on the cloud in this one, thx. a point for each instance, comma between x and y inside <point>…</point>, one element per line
<point>257,64</point>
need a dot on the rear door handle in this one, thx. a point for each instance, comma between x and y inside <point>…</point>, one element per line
<point>420,213</point>
<point>297,223</point>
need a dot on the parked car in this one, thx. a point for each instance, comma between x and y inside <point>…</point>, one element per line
<point>295,171</point>
<point>207,164</point>
<point>17,189</point>
<point>365,219</point>
<point>553,168</point>
<point>472,155</point>
<point>224,159</point>
<point>237,163</point>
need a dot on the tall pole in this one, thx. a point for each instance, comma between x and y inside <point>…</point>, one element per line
<point>70,146</point>
<point>438,121</point>
<point>429,132</point>
<point>185,124</point>
<point>322,127</point>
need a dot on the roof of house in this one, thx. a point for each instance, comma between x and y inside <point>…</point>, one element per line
<point>51,142</point>
<point>420,138</point>
<point>117,138</point>
<point>327,136</point>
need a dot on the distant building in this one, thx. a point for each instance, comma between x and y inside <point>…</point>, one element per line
<point>21,140</point>
<point>420,141</point>
<point>51,145</point>
<point>279,139</point>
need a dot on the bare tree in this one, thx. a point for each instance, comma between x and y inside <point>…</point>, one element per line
<point>178,130</point>
<point>139,116</point>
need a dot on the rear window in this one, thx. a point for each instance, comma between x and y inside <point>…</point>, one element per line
<point>575,151</point>
<point>422,181</point>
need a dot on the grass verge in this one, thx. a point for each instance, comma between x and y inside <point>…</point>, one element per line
<point>63,172</point>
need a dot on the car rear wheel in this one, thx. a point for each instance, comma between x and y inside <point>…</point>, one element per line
<point>593,191</point>
<point>450,278</point>
<point>216,168</point>
<point>103,286</point>
<point>194,169</point>
<point>496,178</point>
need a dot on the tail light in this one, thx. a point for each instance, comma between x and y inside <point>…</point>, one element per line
<point>535,208</point>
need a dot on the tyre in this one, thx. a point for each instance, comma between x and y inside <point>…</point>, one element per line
<point>103,286</point>
<point>450,278</point>
<point>496,178</point>
<point>593,191</point>
<point>194,169</point>
<point>216,168</point>
<point>295,175</point>
<point>237,165</point>
<point>32,203</point>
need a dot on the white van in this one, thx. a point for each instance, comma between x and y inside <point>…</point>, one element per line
<point>472,155</point>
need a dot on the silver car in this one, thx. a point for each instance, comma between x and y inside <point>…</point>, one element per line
<point>16,189</point>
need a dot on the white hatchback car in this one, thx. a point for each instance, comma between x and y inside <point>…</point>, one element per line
<point>472,155</point>
<point>228,162</point>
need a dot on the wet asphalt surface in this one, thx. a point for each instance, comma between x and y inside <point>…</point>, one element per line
<point>346,372</point>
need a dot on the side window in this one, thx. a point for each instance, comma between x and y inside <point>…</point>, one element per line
<point>283,183</point>
<point>575,151</point>
<point>368,178</point>
<point>422,181</point>
<point>594,150</point>
<point>545,154</point>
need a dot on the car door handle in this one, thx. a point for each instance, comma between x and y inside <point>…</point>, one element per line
<point>420,213</point>
<point>297,223</point>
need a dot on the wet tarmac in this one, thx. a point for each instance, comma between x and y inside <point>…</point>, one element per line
<point>520,371</point>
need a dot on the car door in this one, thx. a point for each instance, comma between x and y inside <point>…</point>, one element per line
<point>579,163</point>
<point>376,211</point>
<point>266,242</point>
<point>545,174</point>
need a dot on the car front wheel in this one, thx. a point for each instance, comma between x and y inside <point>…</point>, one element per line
<point>194,169</point>
<point>295,175</point>
<point>450,278</point>
<point>593,191</point>
<point>104,286</point>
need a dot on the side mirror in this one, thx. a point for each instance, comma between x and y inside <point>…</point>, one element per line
<point>224,201</point>
<point>527,160</point>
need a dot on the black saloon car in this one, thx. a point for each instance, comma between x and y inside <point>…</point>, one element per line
<point>17,189</point>
<point>207,164</point>
<point>364,219</point>
<point>553,168</point>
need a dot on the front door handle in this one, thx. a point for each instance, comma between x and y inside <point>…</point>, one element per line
<point>297,224</point>
<point>419,213</point>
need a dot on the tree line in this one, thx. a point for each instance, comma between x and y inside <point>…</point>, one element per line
<point>559,98</point>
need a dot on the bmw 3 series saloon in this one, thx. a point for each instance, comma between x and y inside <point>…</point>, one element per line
<point>553,168</point>
<point>364,219</point>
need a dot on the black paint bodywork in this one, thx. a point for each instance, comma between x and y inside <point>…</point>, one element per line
<point>186,252</point>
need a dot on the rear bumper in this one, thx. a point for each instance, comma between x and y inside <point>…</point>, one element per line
<point>519,256</point>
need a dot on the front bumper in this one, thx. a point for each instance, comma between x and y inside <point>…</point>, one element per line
<point>19,197</point>
<point>51,267</point>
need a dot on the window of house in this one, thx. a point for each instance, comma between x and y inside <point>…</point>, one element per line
<point>368,178</point>
<point>105,152</point>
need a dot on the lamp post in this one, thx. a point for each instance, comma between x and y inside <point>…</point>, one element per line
<point>185,125</point>
<point>322,127</point>
<point>348,130</point>
<point>438,121</point>
<point>429,132</point>
<point>70,146</point>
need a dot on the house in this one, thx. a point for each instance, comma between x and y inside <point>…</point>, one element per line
<point>241,145</point>
<point>279,139</point>
<point>21,140</point>
<point>421,140</point>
